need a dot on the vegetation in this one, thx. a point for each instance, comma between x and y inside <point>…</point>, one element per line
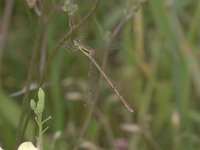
<point>147,48</point>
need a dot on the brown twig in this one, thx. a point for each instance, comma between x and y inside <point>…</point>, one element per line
<point>5,26</point>
<point>43,53</point>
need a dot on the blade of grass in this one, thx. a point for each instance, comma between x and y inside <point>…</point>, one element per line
<point>11,112</point>
<point>57,99</point>
<point>180,73</point>
<point>192,33</point>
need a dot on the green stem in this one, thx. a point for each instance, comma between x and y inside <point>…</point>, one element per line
<point>40,131</point>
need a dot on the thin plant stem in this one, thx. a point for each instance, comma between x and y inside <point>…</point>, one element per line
<point>25,112</point>
<point>108,130</point>
<point>22,126</point>
<point>22,121</point>
<point>65,37</point>
<point>40,132</point>
<point>5,23</point>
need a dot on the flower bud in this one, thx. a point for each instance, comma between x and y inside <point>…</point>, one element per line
<point>40,103</point>
<point>41,94</point>
<point>32,104</point>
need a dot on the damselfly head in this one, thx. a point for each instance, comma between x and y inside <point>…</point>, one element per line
<point>70,46</point>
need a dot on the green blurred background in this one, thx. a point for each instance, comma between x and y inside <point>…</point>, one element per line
<point>150,50</point>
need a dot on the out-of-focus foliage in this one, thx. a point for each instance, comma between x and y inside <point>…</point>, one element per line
<point>153,60</point>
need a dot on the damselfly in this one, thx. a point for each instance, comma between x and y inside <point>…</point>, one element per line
<point>89,52</point>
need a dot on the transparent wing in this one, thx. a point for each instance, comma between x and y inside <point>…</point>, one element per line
<point>90,92</point>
